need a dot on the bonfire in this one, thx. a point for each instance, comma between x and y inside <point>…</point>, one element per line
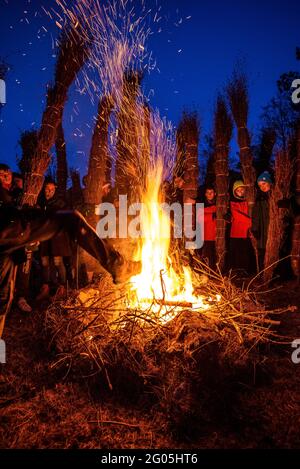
<point>158,287</point>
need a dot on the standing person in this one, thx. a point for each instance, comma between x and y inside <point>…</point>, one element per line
<point>6,178</point>
<point>240,247</point>
<point>208,251</point>
<point>55,249</point>
<point>24,269</point>
<point>260,215</point>
<point>17,188</point>
<point>9,197</point>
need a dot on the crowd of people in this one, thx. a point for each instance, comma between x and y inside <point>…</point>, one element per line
<point>54,254</point>
<point>36,245</point>
<point>246,235</point>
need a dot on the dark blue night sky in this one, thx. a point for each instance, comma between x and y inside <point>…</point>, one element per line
<point>195,57</point>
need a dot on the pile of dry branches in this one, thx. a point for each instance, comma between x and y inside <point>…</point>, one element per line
<point>178,365</point>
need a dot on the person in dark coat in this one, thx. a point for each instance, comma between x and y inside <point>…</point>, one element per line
<point>240,248</point>
<point>6,177</point>
<point>24,269</point>
<point>10,196</point>
<point>55,249</point>
<point>17,188</point>
<point>18,228</point>
<point>260,215</point>
<point>208,252</point>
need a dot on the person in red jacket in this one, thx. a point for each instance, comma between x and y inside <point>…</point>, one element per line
<point>208,251</point>
<point>240,247</point>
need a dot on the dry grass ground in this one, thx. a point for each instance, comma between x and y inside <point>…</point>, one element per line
<point>254,406</point>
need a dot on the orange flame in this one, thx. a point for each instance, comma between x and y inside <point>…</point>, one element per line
<point>158,285</point>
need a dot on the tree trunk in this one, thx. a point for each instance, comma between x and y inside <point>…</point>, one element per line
<point>210,177</point>
<point>62,165</point>
<point>238,98</point>
<point>191,171</point>
<point>28,143</point>
<point>145,133</point>
<point>248,171</point>
<point>72,55</point>
<point>222,136</point>
<point>99,160</point>
<point>222,201</point>
<point>180,155</point>
<point>277,216</point>
<point>98,166</point>
<point>127,144</point>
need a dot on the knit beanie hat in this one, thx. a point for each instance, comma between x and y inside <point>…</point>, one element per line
<point>265,177</point>
<point>236,185</point>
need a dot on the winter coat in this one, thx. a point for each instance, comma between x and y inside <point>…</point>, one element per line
<point>240,220</point>
<point>210,224</point>
<point>260,219</point>
<point>6,197</point>
<point>59,245</point>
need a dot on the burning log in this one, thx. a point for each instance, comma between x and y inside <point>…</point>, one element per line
<point>277,216</point>
<point>296,229</point>
<point>73,52</point>
<point>62,165</point>
<point>179,304</point>
<point>222,136</point>
<point>239,104</point>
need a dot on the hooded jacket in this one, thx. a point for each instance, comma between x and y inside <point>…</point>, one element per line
<point>209,221</point>
<point>240,220</point>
